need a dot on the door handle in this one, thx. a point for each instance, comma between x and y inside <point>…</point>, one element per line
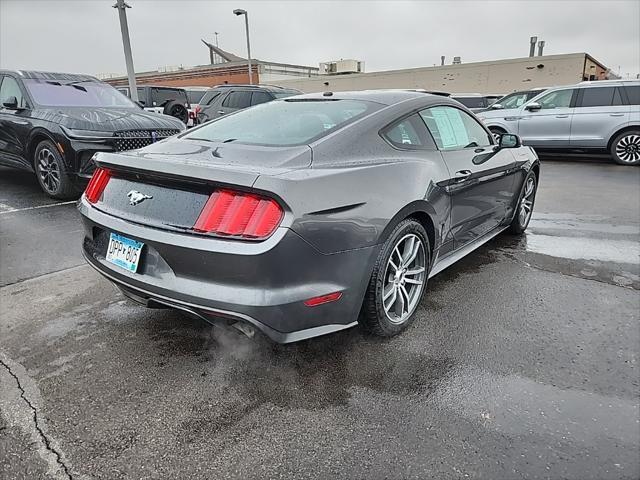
<point>562,116</point>
<point>616,114</point>
<point>220,112</point>
<point>462,175</point>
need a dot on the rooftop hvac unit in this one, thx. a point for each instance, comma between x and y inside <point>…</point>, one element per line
<point>457,60</point>
<point>341,66</point>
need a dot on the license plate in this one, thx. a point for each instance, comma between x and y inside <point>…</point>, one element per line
<point>124,252</point>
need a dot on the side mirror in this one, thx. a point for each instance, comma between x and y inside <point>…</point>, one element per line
<point>533,106</point>
<point>11,103</point>
<point>496,106</point>
<point>509,140</point>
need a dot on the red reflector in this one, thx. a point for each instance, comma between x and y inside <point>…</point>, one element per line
<point>330,297</point>
<point>97,184</point>
<point>239,214</point>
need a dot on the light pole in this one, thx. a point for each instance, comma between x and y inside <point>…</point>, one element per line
<point>126,43</point>
<point>239,11</point>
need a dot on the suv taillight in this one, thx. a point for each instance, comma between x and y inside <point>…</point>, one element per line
<point>97,184</point>
<point>240,215</point>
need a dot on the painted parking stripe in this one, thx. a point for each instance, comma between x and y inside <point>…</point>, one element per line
<point>7,209</point>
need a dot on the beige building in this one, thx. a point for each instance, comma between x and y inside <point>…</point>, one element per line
<point>493,77</point>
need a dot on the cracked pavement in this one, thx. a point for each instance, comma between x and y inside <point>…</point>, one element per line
<point>522,362</point>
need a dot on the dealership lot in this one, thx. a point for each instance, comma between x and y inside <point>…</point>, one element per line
<point>522,361</point>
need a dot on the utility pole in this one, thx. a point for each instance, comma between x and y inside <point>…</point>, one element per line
<point>238,12</point>
<point>126,43</point>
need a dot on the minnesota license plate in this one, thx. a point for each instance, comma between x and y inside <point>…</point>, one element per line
<point>124,252</point>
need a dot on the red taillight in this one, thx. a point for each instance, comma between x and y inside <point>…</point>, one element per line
<point>330,297</point>
<point>97,184</point>
<point>239,214</point>
<point>198,109</point>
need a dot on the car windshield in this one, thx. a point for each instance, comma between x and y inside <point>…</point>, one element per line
<point>195,96</point>
<point>514,100</point>
<point>88,93</point>
<point>284,122</point>
<point>472,102</point>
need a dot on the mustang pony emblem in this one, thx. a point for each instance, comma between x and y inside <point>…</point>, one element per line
<point>135,197</point>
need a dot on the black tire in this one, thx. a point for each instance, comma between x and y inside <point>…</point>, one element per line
<point>496,132</point>
<point>625,148</point>
<point>52,173</point>
<point>177,110</point>
<point>374,318</point>
<point>520,223</point>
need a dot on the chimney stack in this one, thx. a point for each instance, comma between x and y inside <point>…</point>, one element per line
<point>442,60</point>
<point>532,46</point>
<point>540,47</point>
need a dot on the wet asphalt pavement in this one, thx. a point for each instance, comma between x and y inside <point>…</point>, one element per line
<point>522,362</point>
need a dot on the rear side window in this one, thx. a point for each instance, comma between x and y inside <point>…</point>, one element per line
<point>161,96</point>
<point>237,100</point>
<point>454,129</point>
<point>209,97</point>
<point>633,94</point>
<point>260,97</point>
<point>600,97</point>
<point>407,133</point>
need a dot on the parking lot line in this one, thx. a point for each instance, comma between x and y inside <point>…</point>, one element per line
<point>7,209</point>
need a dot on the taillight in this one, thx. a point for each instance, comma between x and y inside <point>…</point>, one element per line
<point>238,214</point>
<point>97,184</point>
<point>197,109</point>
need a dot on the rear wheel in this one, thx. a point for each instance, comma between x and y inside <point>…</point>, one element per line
<point>625,148</point>
<point>524,209</point>
<point>496,132</point>
<point>52,173</point>
<point>398,281</point>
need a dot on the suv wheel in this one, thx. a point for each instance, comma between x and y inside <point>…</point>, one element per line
<point>398,281</point>
<point>51,172</point>
<point>523,212</point>
<point>625,148</point>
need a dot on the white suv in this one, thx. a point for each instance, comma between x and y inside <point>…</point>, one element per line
<point>588,116</point>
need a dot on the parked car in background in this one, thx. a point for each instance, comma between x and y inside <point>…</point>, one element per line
<point>473,101</point>
<point>589,116</point>
<point>172,101</point>
<point>306,215</point>
<point>195,94</point>
<point>224,99</point>
<point>515,99</point>
<point>53,123</point>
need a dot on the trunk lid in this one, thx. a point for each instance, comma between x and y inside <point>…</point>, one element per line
<point>173,179</point>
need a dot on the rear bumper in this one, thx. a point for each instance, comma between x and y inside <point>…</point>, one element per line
<point>261,283</point>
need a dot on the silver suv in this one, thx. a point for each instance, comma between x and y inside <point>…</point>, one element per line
<point>588,116</point>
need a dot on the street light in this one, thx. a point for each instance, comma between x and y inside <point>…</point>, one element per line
<point>126,43</point>
<point>239,11</point>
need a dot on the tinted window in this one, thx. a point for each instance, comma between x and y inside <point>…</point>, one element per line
<point>600,96</point>
<point>284,122</point>
<point>76,94</point>
<point>407,133</point>
<point>633,94</point>
<point>208,97</point>
<point>237,100</point>
<point>453,129</point>
<point>161,96</point>
<point>10,88</point>
<point>260,97</point>
<point>472,102</point>
<point>557,99</point>
<point>195,96</point>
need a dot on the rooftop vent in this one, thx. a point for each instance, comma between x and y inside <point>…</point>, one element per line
<point>338,67</point>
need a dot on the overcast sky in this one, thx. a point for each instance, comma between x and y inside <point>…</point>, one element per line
<point>83,36</point>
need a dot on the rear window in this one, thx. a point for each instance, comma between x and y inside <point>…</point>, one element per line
<point>195,96</point>
<point>161,96</point>
<point>284,122</point>
<point>600,97</point>
<point>472,102</point>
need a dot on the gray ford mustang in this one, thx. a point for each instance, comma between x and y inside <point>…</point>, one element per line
<point>307,215</point>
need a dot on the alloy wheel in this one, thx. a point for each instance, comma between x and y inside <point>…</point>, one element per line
<point>48,170</point>
<point>404,278</point>
<point>628,148</point>
<point>526,203</point>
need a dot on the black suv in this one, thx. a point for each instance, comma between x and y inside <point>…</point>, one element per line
<point>225,99</point>
<point>171,101</point>
<point>53,123</point>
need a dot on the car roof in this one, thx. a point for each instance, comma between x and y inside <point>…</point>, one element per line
<point>273,88</point>
<point>386,97</point>
<point>37,75</point>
